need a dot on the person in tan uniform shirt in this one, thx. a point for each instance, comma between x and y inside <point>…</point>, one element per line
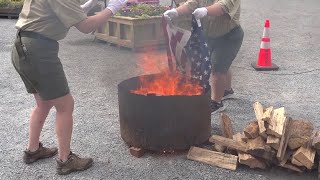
<point>220,20</point>
<point>41,25</point>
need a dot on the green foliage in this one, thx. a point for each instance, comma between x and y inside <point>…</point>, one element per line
<point>4,3</point>
<point>11,3</point>
<point>142,10</point>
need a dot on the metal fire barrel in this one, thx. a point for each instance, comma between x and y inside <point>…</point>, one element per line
<point>162,123</point>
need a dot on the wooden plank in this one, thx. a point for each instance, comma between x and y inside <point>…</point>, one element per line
<point>248,159</point>
<point>284,140</point>
<point>258,109</point>
<point>306,156</point>
<point>213,158</point>
<point>251,131</point>
<point>230,143</point>
<point>277,122</point>
<point>273,141</point>
<point>226,126</point>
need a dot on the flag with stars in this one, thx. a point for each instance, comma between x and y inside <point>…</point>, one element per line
<point>190,51</point>
<point>198,53</point>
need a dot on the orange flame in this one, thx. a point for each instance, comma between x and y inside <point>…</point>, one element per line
<point>166,84</point>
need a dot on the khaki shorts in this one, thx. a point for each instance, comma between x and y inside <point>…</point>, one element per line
<point>41,71</point>
<point>224,49</point>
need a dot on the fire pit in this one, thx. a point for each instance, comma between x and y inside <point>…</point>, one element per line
<point>162,122</point>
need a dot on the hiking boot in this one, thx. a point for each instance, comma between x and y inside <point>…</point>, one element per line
<point>73,163</point>
<point>41,153</point>
<point>216,107</point>
<point>228,94</point>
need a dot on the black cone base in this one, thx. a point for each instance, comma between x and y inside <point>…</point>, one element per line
<point>265,68</point>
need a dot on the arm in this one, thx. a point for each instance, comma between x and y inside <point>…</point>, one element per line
<point>91,23</point>
<point>215,10</point>
<point>183,10</point>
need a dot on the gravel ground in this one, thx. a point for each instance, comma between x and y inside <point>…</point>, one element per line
<point>94,69</point>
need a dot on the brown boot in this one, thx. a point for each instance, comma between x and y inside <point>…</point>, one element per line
<point>42,152</point>
<point>74,163</point>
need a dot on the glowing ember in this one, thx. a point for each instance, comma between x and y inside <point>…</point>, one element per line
<point>166,84</point>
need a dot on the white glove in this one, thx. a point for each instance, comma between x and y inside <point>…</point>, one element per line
<point>89,5</point>
<point>170,14</point>
<point>200,12</point>
<point>115,5</point>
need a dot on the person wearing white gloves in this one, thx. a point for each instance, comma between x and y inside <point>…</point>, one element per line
<point>40,26</point>
<point>221,24</point>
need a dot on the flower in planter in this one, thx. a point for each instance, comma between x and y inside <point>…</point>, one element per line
<point>142,10</point>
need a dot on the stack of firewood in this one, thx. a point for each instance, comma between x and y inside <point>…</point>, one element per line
<point>273,139</point>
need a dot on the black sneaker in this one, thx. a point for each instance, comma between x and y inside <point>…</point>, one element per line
<point>216,107</point>
<point>228,94</point>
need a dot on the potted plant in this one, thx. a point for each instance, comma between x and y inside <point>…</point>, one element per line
<point>10,8</point>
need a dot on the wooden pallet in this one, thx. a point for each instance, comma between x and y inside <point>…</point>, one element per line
<point>10,12</point>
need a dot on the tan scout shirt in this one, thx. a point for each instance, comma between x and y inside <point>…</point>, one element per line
<point>215,26</point>
<point>51,18</point>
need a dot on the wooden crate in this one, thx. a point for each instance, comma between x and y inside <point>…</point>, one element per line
<point>133,33</point>
<point>10,12</point>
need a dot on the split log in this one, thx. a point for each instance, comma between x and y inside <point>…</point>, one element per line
<point>300,131</point>
<point>292,167</point>
<point>277,122</point>
<point>258,147</point>
<point>316,141</point>
<point>226,126</point>
<point>273,141</point>
<point>248,159</point>
<point>219,148</point>
<point>319,171</point>
<point>284,140</point>
<point>296,162</point>
<point>230,143</point>
<point>227,131</point>
<point>252,130</point>
<point>267,114</point>
<point>213,158</point>
<point>305,155</point>
<point>258,109</point>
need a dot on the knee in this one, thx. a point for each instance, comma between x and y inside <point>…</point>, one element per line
<point>65,105</point>
<point>43,107</point>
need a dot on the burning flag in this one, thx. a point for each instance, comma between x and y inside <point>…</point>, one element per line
<point>190,51</point>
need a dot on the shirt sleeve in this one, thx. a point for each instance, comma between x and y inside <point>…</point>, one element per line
<point>192,4</point>
<point>69,12</point>
<point>230,6</point>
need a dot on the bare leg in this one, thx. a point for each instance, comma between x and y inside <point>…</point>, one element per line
<point>218,86</point>
<point>64,124</point>
<point>228,80</point>
<point>37,119</point>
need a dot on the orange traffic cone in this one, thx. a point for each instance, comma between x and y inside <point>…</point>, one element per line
<point>264,62</point>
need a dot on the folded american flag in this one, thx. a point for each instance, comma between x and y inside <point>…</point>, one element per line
<point>189,50</point>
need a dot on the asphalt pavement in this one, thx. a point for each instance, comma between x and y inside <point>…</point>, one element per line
<point>94,69</point>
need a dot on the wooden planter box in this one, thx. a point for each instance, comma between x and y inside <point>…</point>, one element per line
<point>10,12</point>
<point>133,33</point>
